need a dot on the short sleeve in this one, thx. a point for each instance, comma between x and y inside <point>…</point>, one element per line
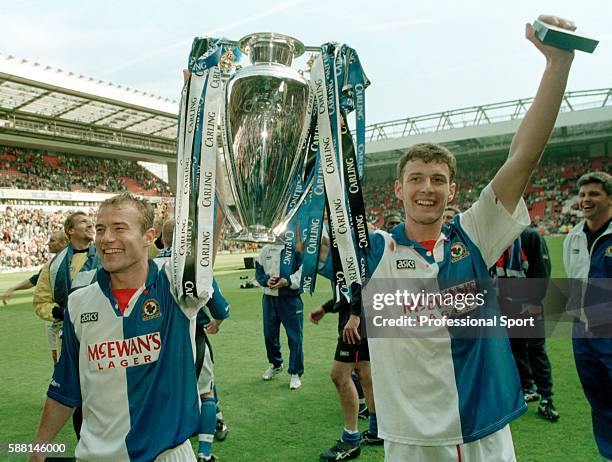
<point>65,386</point>
<point>490,227</point>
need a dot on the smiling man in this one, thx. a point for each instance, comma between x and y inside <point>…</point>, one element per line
<point>73,267</point>
<point>127,351</point>
<point>62,274</point>
<point>587,256</point>
<point>452,396</point>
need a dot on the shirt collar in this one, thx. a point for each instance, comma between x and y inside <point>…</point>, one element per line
<point>104,278</point>
<point>398,234</point>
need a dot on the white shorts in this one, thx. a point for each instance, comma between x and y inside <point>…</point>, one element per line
<point>206,377</point>
<point>53,330</point>
<point>181,453</point>
<point>496,447</point>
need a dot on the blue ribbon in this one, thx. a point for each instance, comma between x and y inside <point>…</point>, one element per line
<point>312,217</point>
<point>208,59</point>
<point>355,87</point>
<point>289,237</point>
<point>329,54</point>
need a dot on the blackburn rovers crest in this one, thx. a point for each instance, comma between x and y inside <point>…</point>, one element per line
<point>458,251</point>
<point>150,310</point>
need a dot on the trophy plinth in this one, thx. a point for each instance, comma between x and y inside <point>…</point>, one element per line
<point>255,233</point>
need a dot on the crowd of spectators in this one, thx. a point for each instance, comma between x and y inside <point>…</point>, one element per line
<point>550,196</point>
<point>32,169</point>
<point>25,233</point>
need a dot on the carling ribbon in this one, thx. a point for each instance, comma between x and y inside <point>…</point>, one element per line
<point>201,100</point>
<point>325,87</point>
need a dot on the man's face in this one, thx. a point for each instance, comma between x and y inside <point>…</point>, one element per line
<point>448,216</point>
<point>120,241</point>
<point>425,190</point>
<point>82,229</point>
<point>594,202</point>
<point>56,242</point>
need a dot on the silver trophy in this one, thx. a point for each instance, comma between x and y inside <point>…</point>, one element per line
<point>267,118</point>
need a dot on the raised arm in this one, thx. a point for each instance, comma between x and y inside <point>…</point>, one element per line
<point>23,285</point>
<point>533,133</point>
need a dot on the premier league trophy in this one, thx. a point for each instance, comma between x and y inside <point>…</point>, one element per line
<point>286,151</point>
<point>268,112</point>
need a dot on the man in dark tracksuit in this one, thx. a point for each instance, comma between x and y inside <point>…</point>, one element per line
<point>587,257</point>
<point>528,261</point>
<point>281,283</point>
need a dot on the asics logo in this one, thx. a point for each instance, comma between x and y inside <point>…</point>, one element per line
<point>406,264</point>
<point>89,317</point>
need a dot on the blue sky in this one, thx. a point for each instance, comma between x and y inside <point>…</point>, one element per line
<point>421,57</point>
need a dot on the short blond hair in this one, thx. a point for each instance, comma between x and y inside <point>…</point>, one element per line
<point>60,235</point>
<point>144,207</point>
<point>70,219</point>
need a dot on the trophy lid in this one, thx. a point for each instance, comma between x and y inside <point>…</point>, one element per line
<point>270,47</point>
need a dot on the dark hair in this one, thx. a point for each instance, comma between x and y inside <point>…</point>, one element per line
<point>393,218</point>
<point>167,232</point>
<point>453,208</point>
<point>428,152</point>
<point>604,179</point>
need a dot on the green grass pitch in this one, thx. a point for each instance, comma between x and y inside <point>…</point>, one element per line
<point>267,420</point>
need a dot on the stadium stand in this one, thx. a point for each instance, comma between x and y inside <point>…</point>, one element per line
<point>25,233</point>
<point>550,197</point>
<point>26,224</point>
<point>32,169</point>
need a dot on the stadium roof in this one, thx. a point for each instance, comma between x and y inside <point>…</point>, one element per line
<point>46,92</point>
<point>585,117</point>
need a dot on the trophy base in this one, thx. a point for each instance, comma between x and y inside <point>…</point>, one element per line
<point>256,233</point>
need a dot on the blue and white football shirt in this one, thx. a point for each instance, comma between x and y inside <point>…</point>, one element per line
<point>447,389</point>
<point>133,374</point>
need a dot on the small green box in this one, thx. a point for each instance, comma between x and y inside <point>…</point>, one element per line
<point>562,38</point>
